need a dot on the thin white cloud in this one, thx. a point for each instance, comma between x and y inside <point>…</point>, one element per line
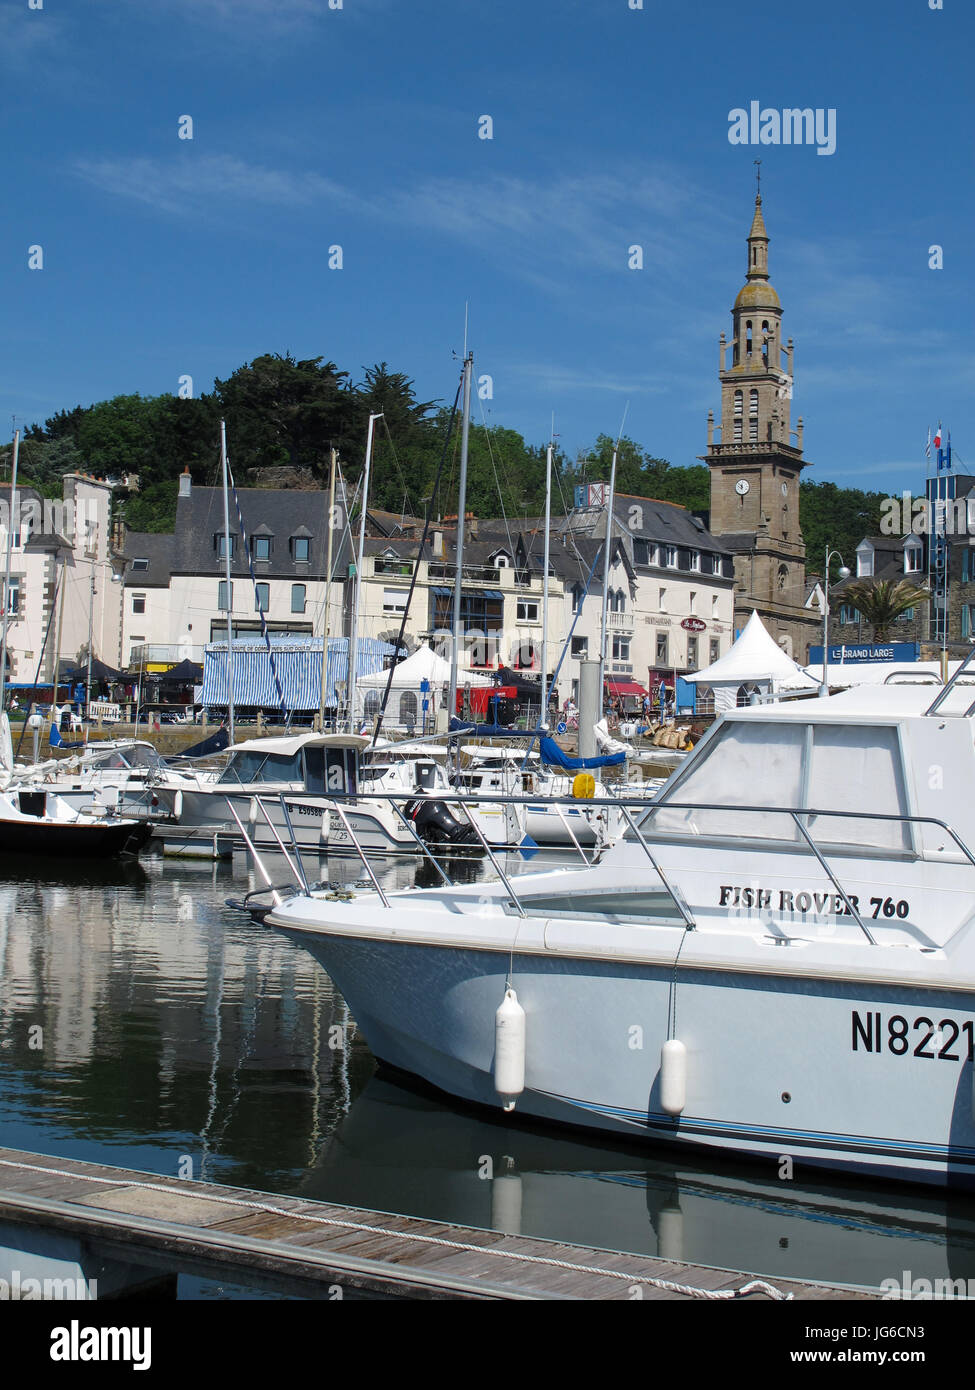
<point>189,184</point>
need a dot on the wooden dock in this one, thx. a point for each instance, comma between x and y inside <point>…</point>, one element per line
<point>321,1250</point>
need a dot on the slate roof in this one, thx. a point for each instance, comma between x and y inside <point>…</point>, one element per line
<point>193,547</point>
<point>666,522</point>
<point>158,549</point>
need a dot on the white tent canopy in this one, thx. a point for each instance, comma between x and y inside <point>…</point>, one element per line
<point>421,678</point>
<point>754,664</point>
<point>424,665</point>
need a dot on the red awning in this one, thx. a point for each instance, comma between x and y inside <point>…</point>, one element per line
<point>625,688</point>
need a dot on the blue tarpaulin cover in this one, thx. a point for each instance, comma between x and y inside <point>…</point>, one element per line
<point>554,755</point>
<point>550,750</point>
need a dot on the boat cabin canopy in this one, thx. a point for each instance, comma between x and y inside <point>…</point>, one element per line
<point>861,756</point>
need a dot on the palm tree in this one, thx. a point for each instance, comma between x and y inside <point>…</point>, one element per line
<point>880,601</point>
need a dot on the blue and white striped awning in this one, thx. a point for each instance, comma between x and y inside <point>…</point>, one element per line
<point>299,669</point>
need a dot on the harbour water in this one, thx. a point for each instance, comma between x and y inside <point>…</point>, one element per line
<point>143,1023</point>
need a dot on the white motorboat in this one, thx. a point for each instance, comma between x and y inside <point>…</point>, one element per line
<point>119,773</point>
<point>38,822</point>
<point>305,789</point>
<point>778,959</point>
<point>563,812</point>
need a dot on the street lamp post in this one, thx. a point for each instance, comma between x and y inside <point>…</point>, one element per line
<point>844,573</point>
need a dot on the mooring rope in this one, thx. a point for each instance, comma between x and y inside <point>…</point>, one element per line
<point>688,1290</point>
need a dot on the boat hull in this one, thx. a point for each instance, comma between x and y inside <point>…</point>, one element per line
<point>777,1069</point>
<point>97,840</point>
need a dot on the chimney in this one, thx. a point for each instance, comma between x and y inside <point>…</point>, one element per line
<point>438,546</point>
<point>185,483</point>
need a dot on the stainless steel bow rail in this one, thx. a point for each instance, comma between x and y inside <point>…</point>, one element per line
<point>638,827</point>
<point>946,690</point>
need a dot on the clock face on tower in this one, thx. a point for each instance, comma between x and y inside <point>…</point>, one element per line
<point>741,487</point>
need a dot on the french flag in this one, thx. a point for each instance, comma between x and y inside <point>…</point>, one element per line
<point>937,436</point>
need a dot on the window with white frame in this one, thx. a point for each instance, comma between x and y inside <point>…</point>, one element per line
<point>912,558</point>
<point>527,611</point>
<point>222,605</point>
<point>262,547</point>
<point>394,600</point>
<point>621,649</point>
<point>138,603</point>
<point>298,598</point>
<point>580,647</point>
<point>662,600</point>
<point>662,649</point>
<point>262,597</point>
<point>672,557</point>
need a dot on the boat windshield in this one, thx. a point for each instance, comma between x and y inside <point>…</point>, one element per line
<point>854,770</point>
<point>262,767</point>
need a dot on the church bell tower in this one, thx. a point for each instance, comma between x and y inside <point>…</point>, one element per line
<point>756,459</point>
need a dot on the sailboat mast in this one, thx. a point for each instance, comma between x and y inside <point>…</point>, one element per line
<point>328,587</point>
<point>461,517</point>
<point>606,564</point>
<point>354,639</point>
<point>6,581</point>
<point>230,599</point>
<point>543,719</point>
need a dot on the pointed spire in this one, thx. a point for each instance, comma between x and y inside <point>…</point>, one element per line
<point>758,240</point>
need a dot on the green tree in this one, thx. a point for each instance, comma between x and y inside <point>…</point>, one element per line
<point>880,601</point>
<point>836,518</point>
<point>282,411</point>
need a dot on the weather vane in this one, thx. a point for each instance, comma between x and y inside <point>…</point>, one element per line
<point>758,175</point>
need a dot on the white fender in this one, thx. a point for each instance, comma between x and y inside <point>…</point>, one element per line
<point>509,1049</point>
<point>178,805</point>
<point>673,1077</point>
<point>506,1203</point>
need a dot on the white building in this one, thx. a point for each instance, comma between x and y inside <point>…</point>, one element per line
<point>64,580</point>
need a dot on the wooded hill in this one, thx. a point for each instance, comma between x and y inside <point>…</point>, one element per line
<point>280,411</point>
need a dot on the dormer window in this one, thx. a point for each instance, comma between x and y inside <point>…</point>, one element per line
<point>912,557</point>
<point>224,545</point>
<point>865,560</point>
<point>141,564</point>
<point>301,549</point>
<point>262,548</point>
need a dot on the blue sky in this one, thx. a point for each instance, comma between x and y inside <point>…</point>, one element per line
<point>359,127</point>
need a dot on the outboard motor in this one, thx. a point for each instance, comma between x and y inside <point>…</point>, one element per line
<point>434,823</point>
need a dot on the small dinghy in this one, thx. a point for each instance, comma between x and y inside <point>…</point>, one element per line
<point>34,821</point>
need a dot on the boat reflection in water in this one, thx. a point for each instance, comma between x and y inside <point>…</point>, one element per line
<point>401,1150</point>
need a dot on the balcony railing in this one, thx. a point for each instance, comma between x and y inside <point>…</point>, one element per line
<point>471,574</point>
<point>619,622</point>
